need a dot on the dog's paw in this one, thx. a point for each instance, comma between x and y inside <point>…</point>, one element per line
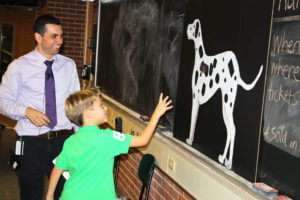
<point>221,159</point>
<point>228,164</point>
<point>189,141</point>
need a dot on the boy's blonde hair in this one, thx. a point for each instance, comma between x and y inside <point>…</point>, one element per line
<point>79,101</point>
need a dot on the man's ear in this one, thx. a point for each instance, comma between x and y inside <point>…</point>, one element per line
<point>38,37</point>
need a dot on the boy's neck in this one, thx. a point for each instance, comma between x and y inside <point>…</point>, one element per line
<point>90,124</point>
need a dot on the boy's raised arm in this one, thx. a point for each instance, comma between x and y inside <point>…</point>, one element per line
<point>162,106</point>
<point>55,175</point>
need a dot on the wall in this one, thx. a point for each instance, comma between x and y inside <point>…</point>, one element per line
<point>162,186</point>
<point>22,19</point>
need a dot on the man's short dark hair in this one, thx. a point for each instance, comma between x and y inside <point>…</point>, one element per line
<point>41,21</point>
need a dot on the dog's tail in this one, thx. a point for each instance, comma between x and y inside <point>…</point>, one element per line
<point>250,85</point>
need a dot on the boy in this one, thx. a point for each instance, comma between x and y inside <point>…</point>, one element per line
<point>89,154</point>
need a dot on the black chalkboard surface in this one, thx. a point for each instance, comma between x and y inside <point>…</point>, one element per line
<point>280,154</point>
<point>139,52</point>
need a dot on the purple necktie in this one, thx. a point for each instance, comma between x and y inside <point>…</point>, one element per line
<point>50,94</point>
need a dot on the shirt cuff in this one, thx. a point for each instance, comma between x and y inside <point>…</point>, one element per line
<point>21,111</point>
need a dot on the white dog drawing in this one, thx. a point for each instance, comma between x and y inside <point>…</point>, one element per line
<point>211,73</point>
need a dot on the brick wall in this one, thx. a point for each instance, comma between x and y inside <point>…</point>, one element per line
<point>162,186</point>
<point>72,16</point>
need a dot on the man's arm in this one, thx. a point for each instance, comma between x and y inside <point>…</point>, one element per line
<point>9,90</point>
<point>55,175</point>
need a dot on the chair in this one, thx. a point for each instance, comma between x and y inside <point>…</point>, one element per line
<point>116,166</point>
<point>118,122</point>
<point>145,172</point>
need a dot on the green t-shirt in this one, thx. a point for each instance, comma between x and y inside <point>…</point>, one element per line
<point>89,157</point>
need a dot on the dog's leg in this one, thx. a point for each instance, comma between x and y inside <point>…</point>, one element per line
<point>221,157</point>
<point>195,109</point>
<point>230,128</point>
<point>228,162</point>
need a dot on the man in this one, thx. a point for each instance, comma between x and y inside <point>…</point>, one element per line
<point>33,91</point>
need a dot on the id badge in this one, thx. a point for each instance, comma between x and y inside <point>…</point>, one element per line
<point>19,147</point>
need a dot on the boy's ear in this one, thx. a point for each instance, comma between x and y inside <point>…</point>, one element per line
<point>87,114</point>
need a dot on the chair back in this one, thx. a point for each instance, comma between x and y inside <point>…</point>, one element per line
<point>145,172</point>
<point>118,122</point>
<point>116,166</point>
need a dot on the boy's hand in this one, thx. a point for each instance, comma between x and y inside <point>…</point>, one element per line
<point>162,106</point>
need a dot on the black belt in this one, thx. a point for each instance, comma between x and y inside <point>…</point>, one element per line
<point>54,134</point>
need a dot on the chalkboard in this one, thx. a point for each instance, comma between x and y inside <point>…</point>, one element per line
<point>227,28</point>
<point>280,154</point>
<point>139,52</point>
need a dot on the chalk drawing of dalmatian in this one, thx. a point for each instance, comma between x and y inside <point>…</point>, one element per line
<point>211,73</point>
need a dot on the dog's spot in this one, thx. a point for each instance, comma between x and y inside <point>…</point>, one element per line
<point>203,89</point>
<point>211,83</point>
<point>223,70</point>
<point>230,66</point>
<point>196,30</point>
<point>211,69</point>
<point>201,52</point>
<point>215,63</point>
<point>224,80</point>
<point>235,78</point>
<point>231,104</point>
<point>217,78</point>
<point>196,78</point>
<point>230,89</point>
<point>225,98</point>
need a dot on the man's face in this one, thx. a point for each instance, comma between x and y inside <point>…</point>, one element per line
<point>50,42</point>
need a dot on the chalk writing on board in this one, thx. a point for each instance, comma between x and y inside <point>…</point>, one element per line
<point>282,94</point>
<point>288,5</point>
<point>280,135</point>
<point>282,106</point>
<point>282,45</point>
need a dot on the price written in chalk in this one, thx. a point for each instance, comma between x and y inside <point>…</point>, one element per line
<point>279,135</point>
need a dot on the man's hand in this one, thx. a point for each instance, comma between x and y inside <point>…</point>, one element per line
<point>37,118</point>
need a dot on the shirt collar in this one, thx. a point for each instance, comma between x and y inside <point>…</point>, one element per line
<point>41,58</point>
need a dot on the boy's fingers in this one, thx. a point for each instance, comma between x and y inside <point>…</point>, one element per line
<point>160,97</point>
<point>166,98</point>
<point>169,102</point>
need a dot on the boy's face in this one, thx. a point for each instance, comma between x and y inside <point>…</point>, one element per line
<point>100,111</point>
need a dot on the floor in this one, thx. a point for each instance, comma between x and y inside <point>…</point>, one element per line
<point>9,189</point>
